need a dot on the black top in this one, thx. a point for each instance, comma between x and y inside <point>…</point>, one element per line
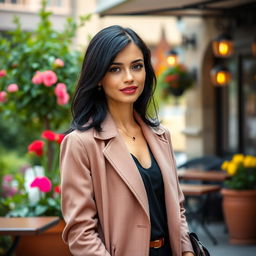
<point>153,182</point>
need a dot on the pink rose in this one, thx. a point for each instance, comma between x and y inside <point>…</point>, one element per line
<point>61,93</point>
<point>60,90</point>
<point>7,178</point>
<point>58,63</point>
<point>37,78</point>
<point>63,99</point>
<point>8,191</point>
<point>49,78</point>
<point>12,88</point>
<point>43,183</point>
<point>3,96</point>
<point>2,72</point>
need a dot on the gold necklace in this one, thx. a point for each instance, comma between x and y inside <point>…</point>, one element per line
<point>132,137</point>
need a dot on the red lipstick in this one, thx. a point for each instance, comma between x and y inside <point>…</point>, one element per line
<point>129,89</point>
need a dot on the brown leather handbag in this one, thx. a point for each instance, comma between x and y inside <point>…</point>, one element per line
<point>198,247</point>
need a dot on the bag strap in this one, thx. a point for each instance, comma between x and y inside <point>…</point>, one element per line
<point>200,249</point>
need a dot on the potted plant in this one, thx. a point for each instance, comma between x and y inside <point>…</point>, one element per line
<point>175,80</point>
<point>239,199</point>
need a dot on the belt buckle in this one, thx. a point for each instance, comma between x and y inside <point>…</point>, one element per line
<point>161,243</point>
<point>156,247</point>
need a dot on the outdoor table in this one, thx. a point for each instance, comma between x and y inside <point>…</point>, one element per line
<point>198,189</point>
<point>202,175</point>
<point>22,226</point>
<point>202,192</point>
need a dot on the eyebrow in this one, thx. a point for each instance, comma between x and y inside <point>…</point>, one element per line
<point>134,61</point>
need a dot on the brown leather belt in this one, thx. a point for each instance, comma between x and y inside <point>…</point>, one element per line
<point>157,243</point>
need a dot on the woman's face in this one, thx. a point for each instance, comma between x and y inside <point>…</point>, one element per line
<point>124,81</point>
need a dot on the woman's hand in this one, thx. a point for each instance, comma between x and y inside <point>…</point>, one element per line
<point>188,254</point>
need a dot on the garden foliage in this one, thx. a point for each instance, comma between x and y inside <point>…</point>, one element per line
<point>27,57</point>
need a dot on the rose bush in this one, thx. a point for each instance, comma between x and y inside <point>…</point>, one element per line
<point>38,71</point>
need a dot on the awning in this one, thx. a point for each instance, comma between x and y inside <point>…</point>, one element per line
<point>173,7</point>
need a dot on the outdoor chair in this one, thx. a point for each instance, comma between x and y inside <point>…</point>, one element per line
<point>213,211</point>
<point>207,162</point>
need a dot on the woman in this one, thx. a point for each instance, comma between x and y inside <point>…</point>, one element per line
<point>120,194</point>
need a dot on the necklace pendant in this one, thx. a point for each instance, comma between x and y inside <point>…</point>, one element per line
<point>133,138</point>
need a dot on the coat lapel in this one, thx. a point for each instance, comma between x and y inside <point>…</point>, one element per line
<point>161,150</point>
<point>121,160</point>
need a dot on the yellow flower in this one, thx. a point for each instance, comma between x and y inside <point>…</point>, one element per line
<point>248,161</point>
<point>238,158</point>
<point>254,162</point>
<point>224,165</point>
<point>231,169</point>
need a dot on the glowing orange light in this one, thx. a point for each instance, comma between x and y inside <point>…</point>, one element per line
<point>220,76</point>
<point>172,60</point>
<point>222,47</point>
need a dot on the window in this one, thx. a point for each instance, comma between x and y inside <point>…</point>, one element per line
<point>21,2</point>
<point>55,3</point>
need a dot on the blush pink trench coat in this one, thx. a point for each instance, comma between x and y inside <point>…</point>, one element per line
<point>104,202</point>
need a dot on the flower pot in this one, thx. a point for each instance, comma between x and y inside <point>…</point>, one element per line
<point>239,208</point>
<point>177,92</point>
<point>46,244</point>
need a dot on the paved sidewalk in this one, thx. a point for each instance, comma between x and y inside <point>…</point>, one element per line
<point>223,248</point>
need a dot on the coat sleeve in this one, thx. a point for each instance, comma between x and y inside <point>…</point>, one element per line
<point>77,200</point>
<point>185,240</point>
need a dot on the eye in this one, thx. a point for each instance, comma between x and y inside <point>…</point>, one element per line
<point>138,66</point>
<point>114,69</point>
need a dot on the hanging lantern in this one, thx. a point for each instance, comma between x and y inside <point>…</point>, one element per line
<point>254,48</point>
<point>223,46</point>
<point>172,58</point>
<point>220,76</point>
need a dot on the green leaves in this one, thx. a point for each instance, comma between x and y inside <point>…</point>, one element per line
<point>245,178</point>
<point>40,209</point>
<point>45,207</point>
<point>23,53</point>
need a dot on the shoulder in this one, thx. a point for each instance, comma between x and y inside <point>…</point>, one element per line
<point>161,130</point>
<point>164,132</point>
<point>77,138</point>
<point>81,135</point>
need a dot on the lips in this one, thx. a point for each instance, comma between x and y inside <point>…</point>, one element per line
<point>129,89</point>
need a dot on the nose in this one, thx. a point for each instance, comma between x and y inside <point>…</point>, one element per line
<point>128,76</point>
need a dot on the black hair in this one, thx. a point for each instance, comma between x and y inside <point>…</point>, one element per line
<point>89,105</point>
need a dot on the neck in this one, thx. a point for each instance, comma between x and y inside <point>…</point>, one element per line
<point>123,116</point>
